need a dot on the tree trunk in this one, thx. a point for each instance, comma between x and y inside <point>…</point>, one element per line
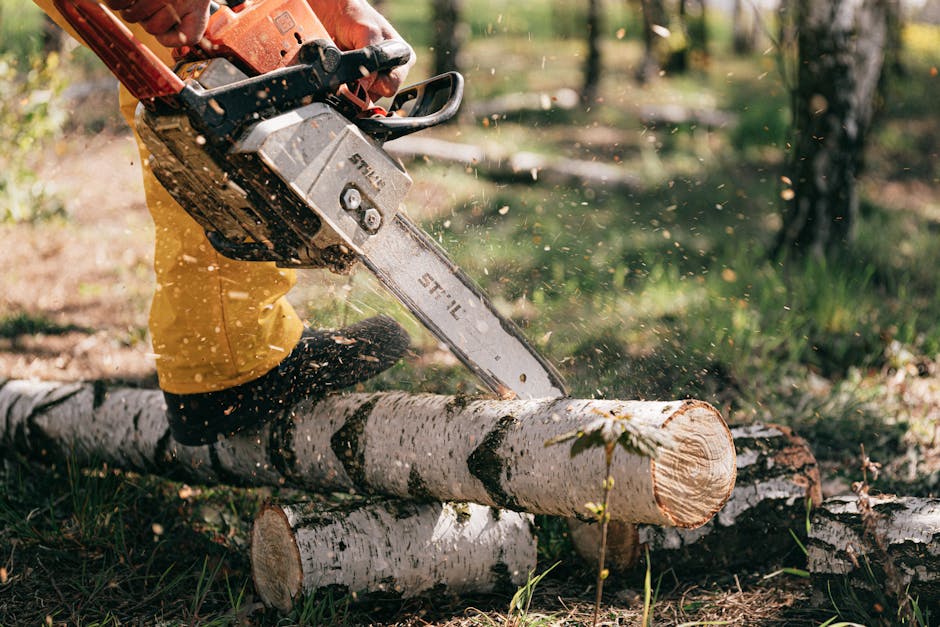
<point>841,52</point>
<point>390,548</point>
<point>744,34</point>
<point>678,59</point>
<point>448,35</point>
<point>777,474</point>
<point>592,62</point>
<point>655,46</point>
<point>424,447</point>
<point>696,22</point>
<point>877,554</point>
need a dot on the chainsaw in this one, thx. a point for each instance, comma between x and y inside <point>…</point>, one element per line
<point>264,134</point>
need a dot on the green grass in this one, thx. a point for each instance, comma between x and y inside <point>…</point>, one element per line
<point>16,325</point>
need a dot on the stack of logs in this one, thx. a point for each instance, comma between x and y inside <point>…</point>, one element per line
<point>456,481</point>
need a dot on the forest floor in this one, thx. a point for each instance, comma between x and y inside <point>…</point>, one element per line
<point>88,280</point>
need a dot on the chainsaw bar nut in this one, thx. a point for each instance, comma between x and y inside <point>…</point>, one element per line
<point>351,199</point>
<point>371,219</point>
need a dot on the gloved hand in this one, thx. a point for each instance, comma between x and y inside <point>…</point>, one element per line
<point>173,22</point>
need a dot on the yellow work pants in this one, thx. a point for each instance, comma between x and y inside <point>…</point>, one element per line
<point>214,322</point>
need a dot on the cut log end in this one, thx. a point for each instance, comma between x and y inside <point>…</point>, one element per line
<point>694,479</point>
<point>275,559</point>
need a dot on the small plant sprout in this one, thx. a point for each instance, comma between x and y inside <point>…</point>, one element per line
<point>607,432</point>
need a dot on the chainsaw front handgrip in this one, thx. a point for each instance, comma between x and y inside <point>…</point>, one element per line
<point>355,64</point>
<point>323,69</point>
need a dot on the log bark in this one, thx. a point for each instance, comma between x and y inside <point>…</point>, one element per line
<point>523,167</point>
<point>679,114</point>
<point>877,554</point>
<point>424,447</point>
<point>564,99</point>
<point>777,474</point>
<point>393,548</point>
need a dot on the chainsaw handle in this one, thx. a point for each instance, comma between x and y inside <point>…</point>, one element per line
<point>135,65</point>
<point>417,107</point>
<point>352,65</point>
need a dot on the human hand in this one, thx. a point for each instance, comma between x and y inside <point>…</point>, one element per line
<point>355,24</point>
<point>174,23</point>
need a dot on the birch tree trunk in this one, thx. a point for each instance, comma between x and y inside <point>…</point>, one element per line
<point>841,52</point>
<point>592,60</point>
<point>878,554</point>
<point>777,475</point>
<point>392,548</point>
<point>424,447</point>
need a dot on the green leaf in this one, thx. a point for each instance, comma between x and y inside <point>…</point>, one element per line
<point>587,440</point>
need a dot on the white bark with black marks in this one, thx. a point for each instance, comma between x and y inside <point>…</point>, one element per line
<point>393,548</point>
<point>893,550</point>
<point>777,475</point>
<point>424,447</point>
<point>841,56</point>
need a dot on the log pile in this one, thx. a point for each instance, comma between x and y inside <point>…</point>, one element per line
<point>432,449</point>
<point>420,447</point>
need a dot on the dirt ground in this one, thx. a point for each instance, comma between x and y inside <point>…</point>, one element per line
<point>89,272</point>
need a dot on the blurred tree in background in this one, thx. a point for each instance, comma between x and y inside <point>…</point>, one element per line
<point>841,52</point>
<point>448,33</point>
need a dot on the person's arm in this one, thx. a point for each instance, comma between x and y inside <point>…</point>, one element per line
<point>173,22</point>
<point>351,23</point>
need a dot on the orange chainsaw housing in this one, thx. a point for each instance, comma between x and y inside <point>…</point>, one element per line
<point>261,35</point>
<point>258,35</point>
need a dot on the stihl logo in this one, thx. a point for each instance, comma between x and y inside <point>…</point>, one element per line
<point>367,171</point>
<point>284,22</point>
<point>437,290</point>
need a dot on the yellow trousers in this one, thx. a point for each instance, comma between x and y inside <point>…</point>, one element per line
<point>214,322</point>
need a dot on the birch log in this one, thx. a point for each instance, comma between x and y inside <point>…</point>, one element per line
<point>522,167</point>
<point>423,447</point>
<point>892,550</point>
<point>777,476</point>
<point>392,548</point>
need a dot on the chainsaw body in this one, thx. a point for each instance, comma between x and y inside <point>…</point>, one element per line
<point>266,138</point>
<point>252,213</point>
